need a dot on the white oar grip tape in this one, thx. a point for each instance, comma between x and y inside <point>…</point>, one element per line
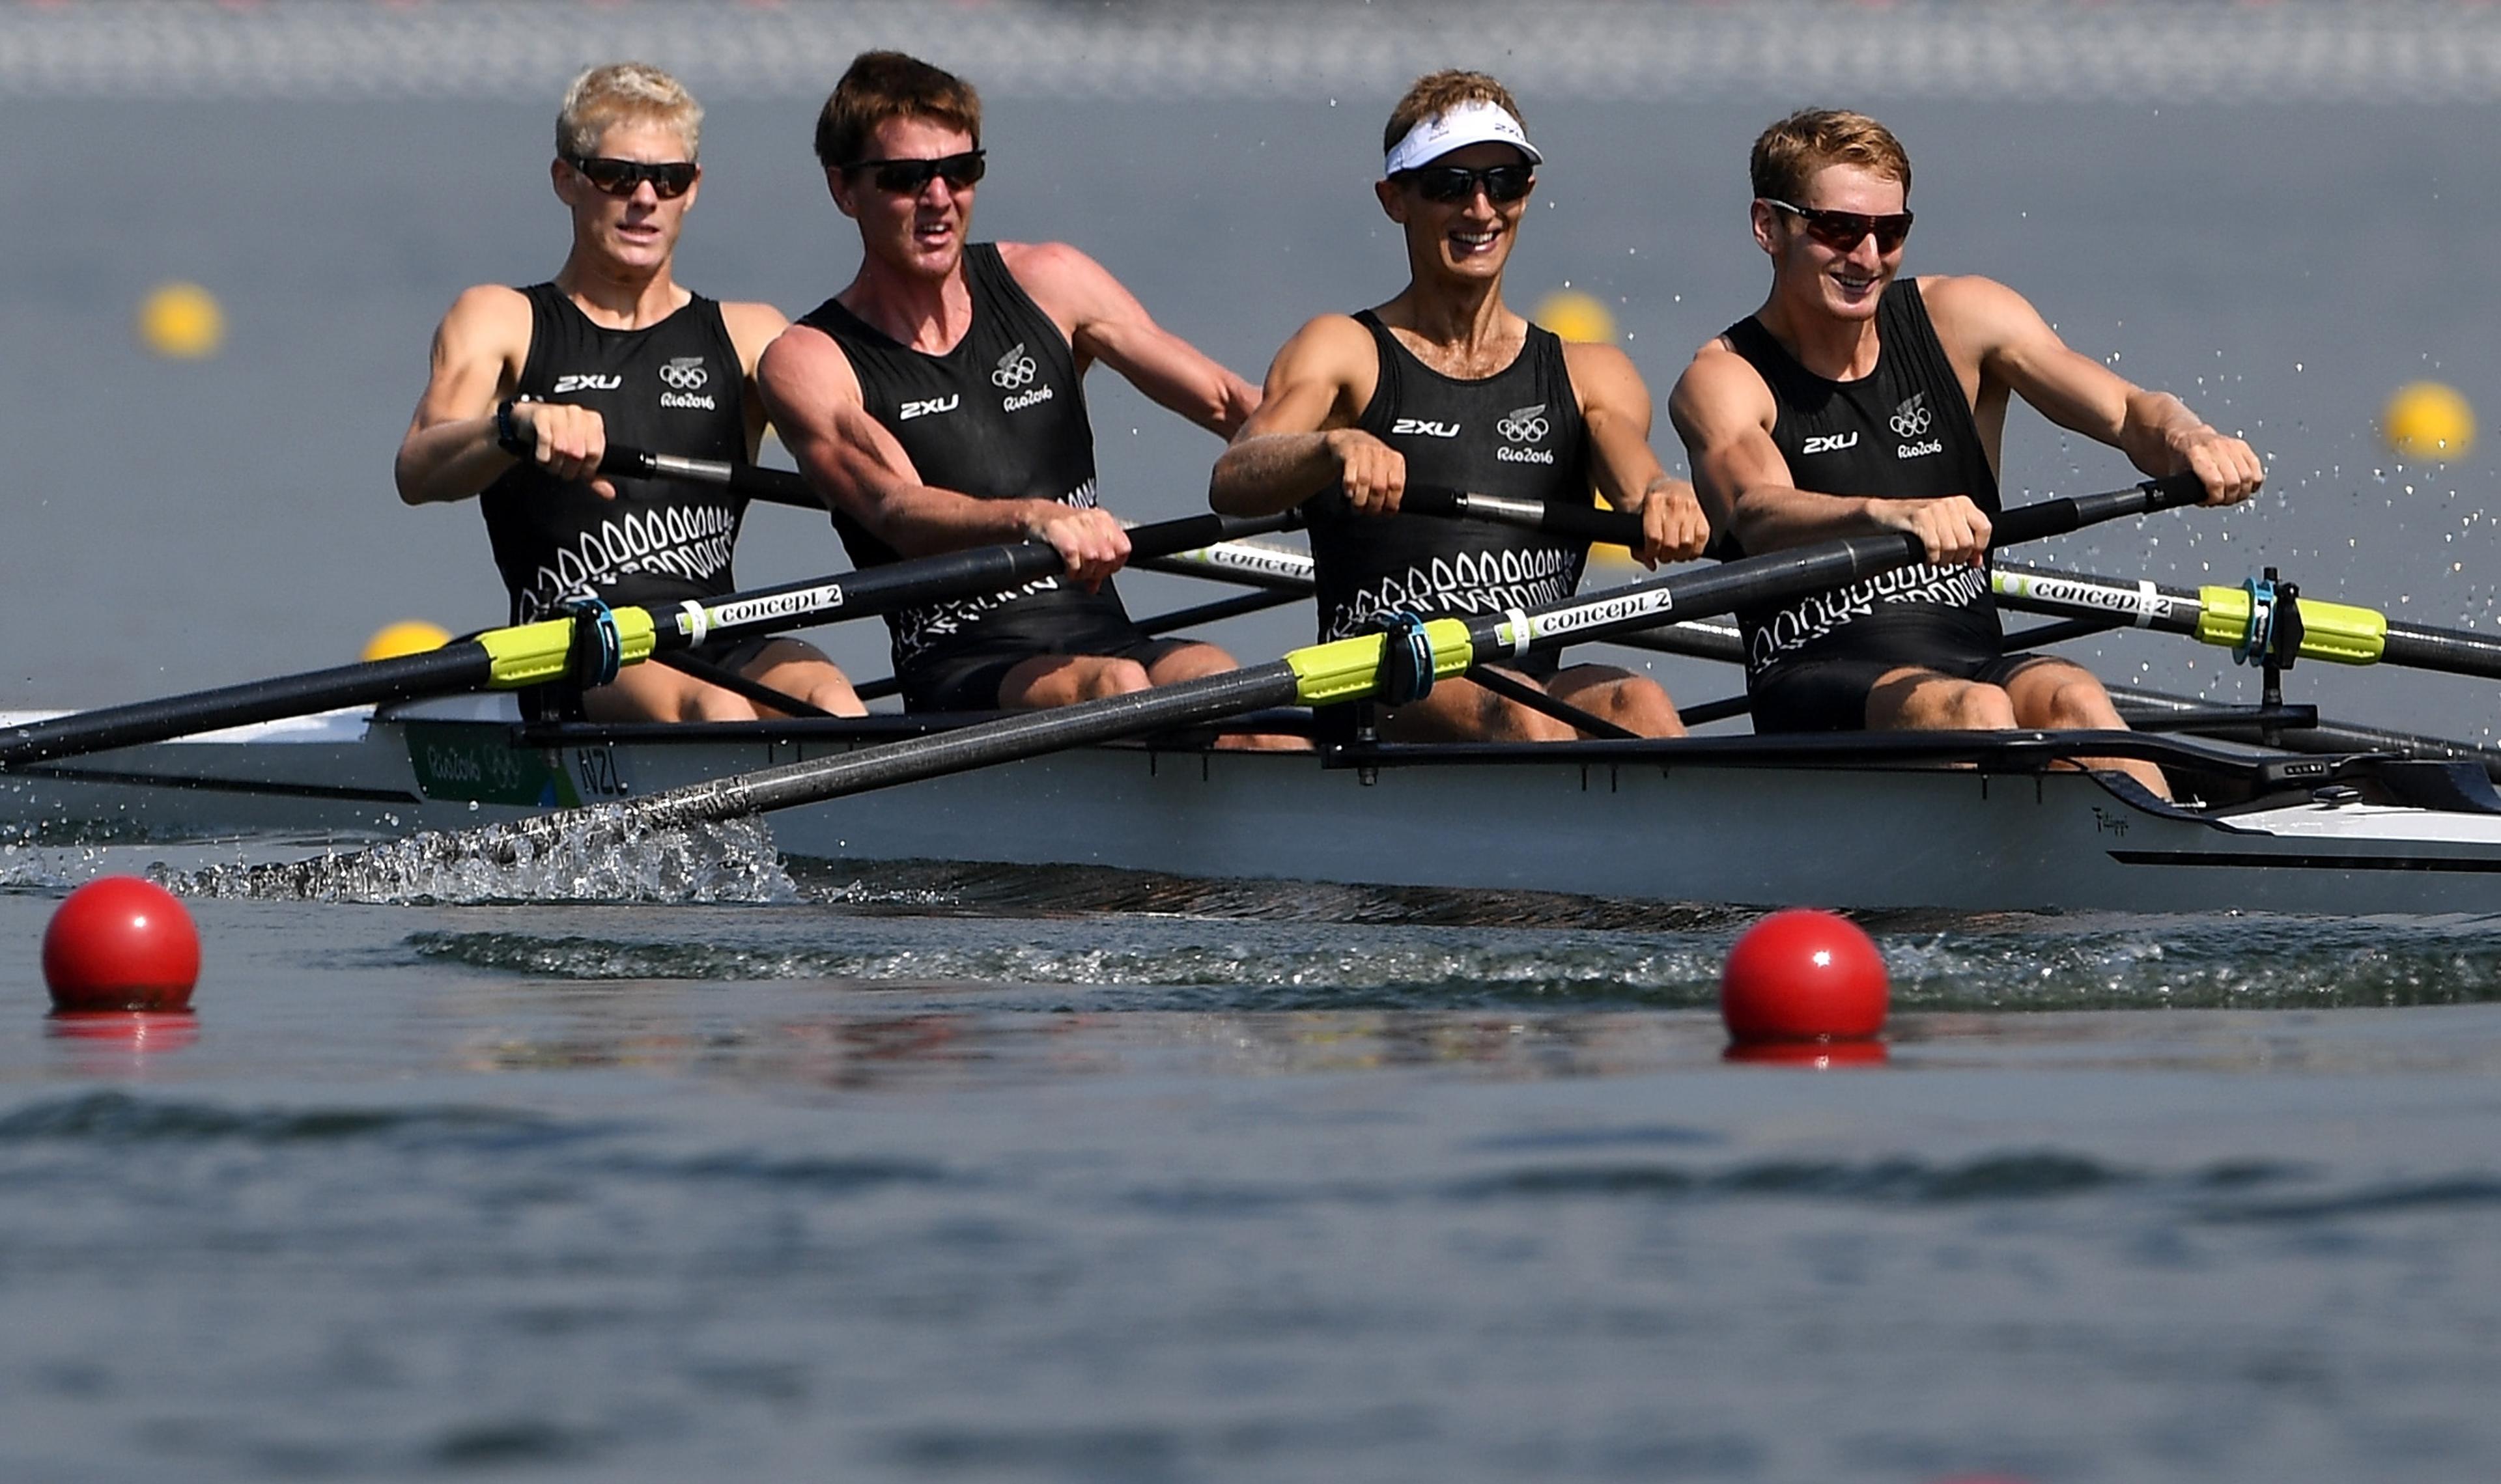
<point>1518,619</point>
<point>694,620</point>
<point>2148,603</point>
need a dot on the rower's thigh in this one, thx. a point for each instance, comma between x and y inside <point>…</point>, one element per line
<point>1188,662</point>
<point>2053,693</point>
<point>1064,680</point>
<point>1911,699</point>
<point>652,692</point>
<point>1459,710</point>
<point>1636,702</point>
<point>798,669</point>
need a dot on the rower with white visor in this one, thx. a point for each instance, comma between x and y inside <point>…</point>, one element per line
<point>1445,386</point>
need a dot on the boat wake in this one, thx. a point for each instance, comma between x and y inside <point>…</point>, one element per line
<point>600,855</point>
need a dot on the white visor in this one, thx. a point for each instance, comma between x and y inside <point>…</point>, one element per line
<point>1475,122</point>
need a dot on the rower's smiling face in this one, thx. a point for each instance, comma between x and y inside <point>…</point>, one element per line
<point>1845,284</point>
<point>920,231</point>
<point>639,229</point>
<point>1469,236</point>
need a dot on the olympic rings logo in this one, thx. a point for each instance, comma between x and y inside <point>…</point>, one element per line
<point>1016,369</point>
<point>685,374</point>
<point>1911,418</point>
<point>1524,424</point>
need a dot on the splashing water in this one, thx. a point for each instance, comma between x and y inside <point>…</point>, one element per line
<point>599,855</point>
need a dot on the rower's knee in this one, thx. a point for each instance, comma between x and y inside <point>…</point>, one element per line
<point>2077,701</point>
<point>1964,706</point>
<point>1984,708</point>
<point>1639,706</point>
<point>1117,677</point>
<point>709,702</point>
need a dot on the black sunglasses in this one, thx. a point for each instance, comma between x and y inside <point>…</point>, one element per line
<point>912,176</point>
<point>1501,183</point>
<point>1841,231</point>
<point>620,177</point>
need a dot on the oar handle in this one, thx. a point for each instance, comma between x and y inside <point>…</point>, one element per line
<point>2072,513</point>
<point>773,487</point>
<point>1578,522</point>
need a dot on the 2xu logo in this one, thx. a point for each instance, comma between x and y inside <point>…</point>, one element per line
<point>1829,443</point>
<point>1015,369</point>
<point>1420,427</point>
<point>931,407</point>
<point>586,380</point>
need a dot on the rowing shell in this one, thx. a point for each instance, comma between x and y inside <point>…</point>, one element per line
<point>1954,821</point>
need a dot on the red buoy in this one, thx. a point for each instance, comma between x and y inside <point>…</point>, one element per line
<point>122,943</point>
<point>1804,975</point>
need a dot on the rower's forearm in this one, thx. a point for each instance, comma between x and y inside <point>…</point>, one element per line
<point>2149,434</point>
<point>449,461</point>
<point>1270,474</point>
<point>925,521</point>
<point>1773,519</point>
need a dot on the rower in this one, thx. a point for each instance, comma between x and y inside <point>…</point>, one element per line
<point>1856,401</point>
<point>1446,385</point>
<point>529,386</point>
<point>937,403</point>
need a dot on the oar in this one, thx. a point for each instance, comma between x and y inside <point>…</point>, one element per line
<point>533,653</point>
<point>1343,670</point>
<point>2340,633</point>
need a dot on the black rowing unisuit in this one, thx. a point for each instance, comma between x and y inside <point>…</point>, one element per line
<point>1902,431</point>
<point>673,387</point>
<point>1517,433</point>
<point>1001,416</point>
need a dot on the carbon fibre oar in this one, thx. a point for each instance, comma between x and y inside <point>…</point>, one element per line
<point>1342,670</point>
<point>534,653</point>
<point>2340,633</point>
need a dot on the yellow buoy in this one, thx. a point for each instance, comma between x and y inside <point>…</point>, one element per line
<point>409,636</point>
<point>2427,420</point>
<point>183,321</point>
<point>1575,316</point>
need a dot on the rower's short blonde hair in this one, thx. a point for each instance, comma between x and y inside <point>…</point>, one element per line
<point>1788,153</point>
<point>624,92</point>
<point>1436,94</point>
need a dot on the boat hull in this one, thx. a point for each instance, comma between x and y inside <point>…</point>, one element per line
<point>1580,820</point>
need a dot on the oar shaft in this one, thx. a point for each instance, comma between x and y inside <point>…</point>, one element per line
<point>466,665</point>
<point>2335,632</point>
<point>1029,734</point>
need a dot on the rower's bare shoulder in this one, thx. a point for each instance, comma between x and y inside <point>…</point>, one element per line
<point>1720,380</point>
<point>1602,374</point>
<point>488,318</point>
<point>1329,339</point>
<point>1056,273</point>
<point>1967,305</point>
<point>804,363</point>
<point>752,326</point>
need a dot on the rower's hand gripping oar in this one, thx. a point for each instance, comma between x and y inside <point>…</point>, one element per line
<point>1351,668</point>
<point>534,653</point>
